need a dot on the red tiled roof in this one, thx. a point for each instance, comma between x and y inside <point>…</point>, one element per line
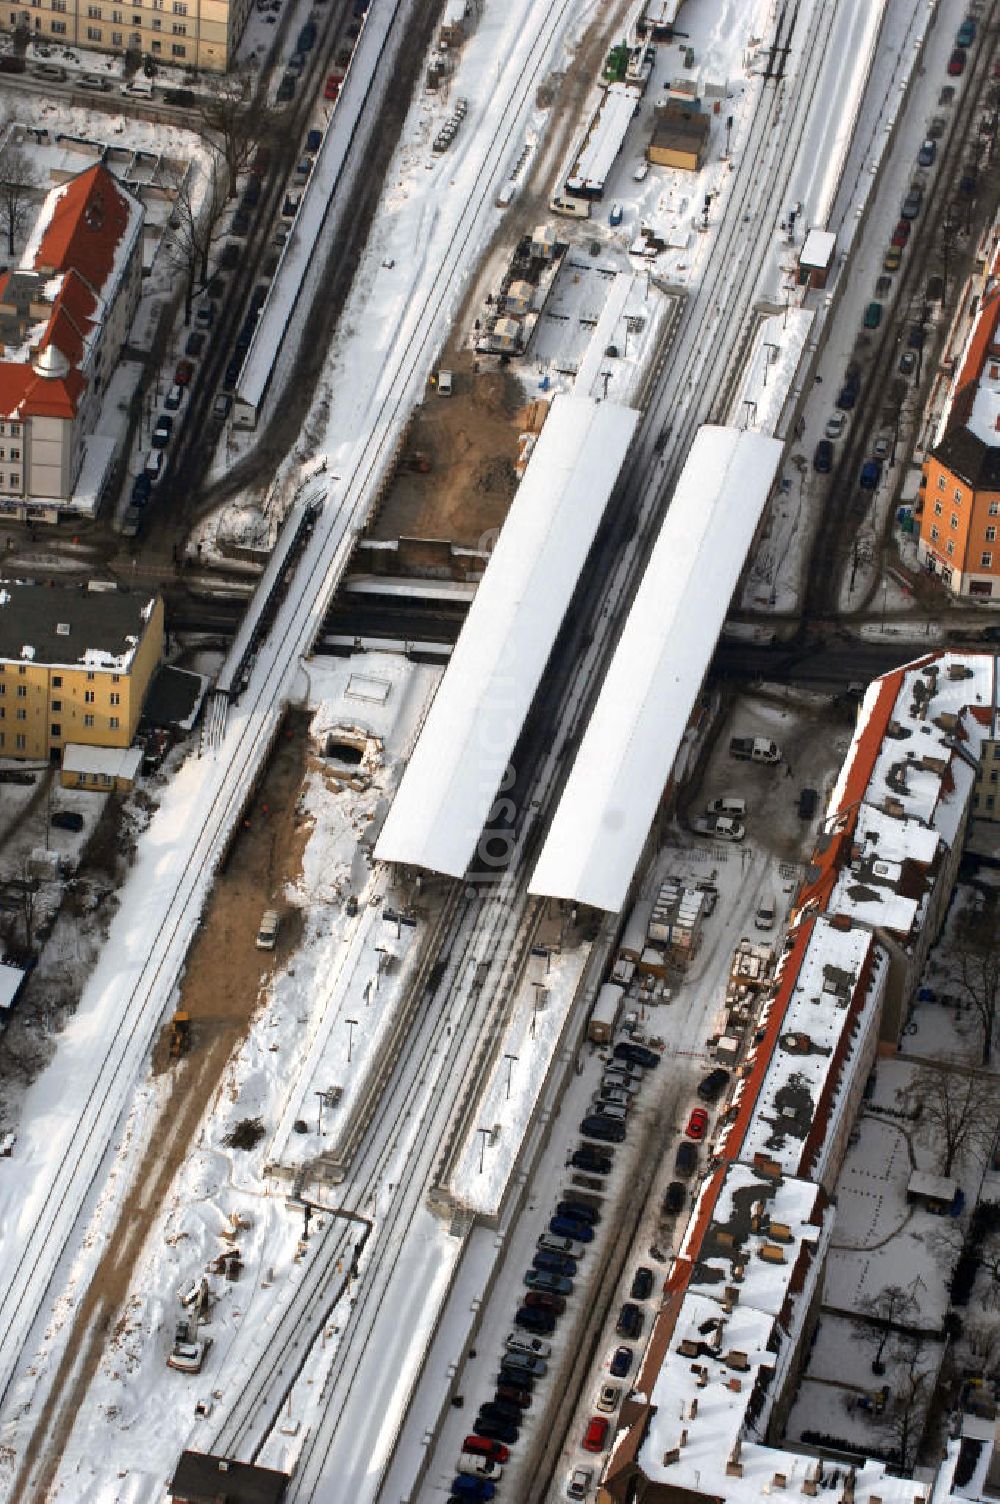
<point>89,217</point>
<point>23,393</point>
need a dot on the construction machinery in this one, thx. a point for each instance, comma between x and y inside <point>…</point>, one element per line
<point>180,1034</point>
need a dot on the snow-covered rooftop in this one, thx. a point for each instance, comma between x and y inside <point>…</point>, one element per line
<point>828,1001</point>
<point>604,138</point>
<point>460,759</point>
<point>635,732</point>
<point>109,762</point>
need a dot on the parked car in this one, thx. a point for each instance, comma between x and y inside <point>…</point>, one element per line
<point>554,1263</point>
<point>221,406</point>
<point>927,153</point>
<point>902,232</point>
<point>508,1393</point>
<point>873,315</point>
<point>685,1158</point>
<point>533,1320</point>
<point>479,1466</point>
<point>596,1435</point>
<point>267,933</point>
<point>482,1446</point>
<point>966,34</point>
<point>303,169</point>
<point>230,258</point>
<point>587,1157</point>
<point>823,457</point>
<point>808,799</point>
<point>307,38</point>
<point>568,1227</point>
<point>711,1087</point>
<point>240,224</point>
<point>912,203</point>
<point>871,474</point>
<point>331,88</point>
<point>544,1300</point>
<point>160,436</point>
<point>528,1363</point>
<point>608,1397</point>
<point>579,1483</point>
<point>501,1410</point>
<point>697,1123</point>
<point>621,1361</point>
<point>642,1283</point>
<point>619,1070</point>
<point>882,446</point>
<point>290,207</point>
<point>533,1347</point>
<point>719,827</point>
<point>611,1095</point>
<point>472,1488</point>
<point>495,1430</point>
<point>883,287</point>
<point>195,343</point>
<point>153,468</point>
<point>674,1198</point>
<point>835,425</point>
<point>937,128</point>
<point>545,1281</point>
<point>286,89</point>
<point>66,819</point>
<point>142,488</point>
<point>613,1086</point>
<point>314,140</point>
<point>232,373</point>
<point>183,372</point>
<point>847,396</point>
<point>957,62</point>
<point>893,259</point>
<point>630,1321</point>
<point>580,1211</point>
<point>637,1054</point>
<point>946,95</point>
<point>603,1128</point>
<point>174,398</point>
<point>907,363</point>
<point>569,1246</point>
<point>613,1110</point>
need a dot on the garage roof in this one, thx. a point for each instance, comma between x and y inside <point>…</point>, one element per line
<point>457,765</point>
<point>600,827</point>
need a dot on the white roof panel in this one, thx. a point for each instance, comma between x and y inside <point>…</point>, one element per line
<point>605,135</point>
<point>468,737</point>
<point>635,732</point>
<point>116,762</point>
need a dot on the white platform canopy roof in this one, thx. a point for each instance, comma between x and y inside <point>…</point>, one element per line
<point>457,765</point>
<point>607,807</point>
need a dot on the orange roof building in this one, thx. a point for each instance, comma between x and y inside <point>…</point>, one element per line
<point>65,313</point>
<point>960,512</point>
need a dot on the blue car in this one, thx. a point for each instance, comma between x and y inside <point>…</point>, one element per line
<point>466,1487</point>
<point>637,1054</point>
<point>871,474</point>
<point>533,1319</point>
<point>541,1279</point>
<point>555,1263</point>
<point>966,34</point>
<point>565,1227</point>
<point>579,1211</point>
<point>621,1361</point>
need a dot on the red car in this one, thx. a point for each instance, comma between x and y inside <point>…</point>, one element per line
<point>544,1300</point>
<point>184,372</point>
<point>901,233</point>
<point>596,1434</point>
<point>697,1123</point>
<point>482,1446</point>
<point>956,63</point>
<point>333,83</point>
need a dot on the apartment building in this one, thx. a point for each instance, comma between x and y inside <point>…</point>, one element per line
<point>75,667</point>
<point>960,512</point>
<point>65,312</point>
<point>200,34</point>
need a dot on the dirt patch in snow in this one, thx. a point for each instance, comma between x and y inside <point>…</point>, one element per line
<point>469,442</point>
<point>221,989</point>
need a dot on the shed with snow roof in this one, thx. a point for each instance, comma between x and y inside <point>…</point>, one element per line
<point>816,258</point>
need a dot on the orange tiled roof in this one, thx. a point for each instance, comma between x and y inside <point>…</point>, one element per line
<point>23,393</point>
<point>89,217</point>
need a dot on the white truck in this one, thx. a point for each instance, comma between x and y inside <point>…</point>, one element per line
<point>754,749</point>
<point>605,1013</point>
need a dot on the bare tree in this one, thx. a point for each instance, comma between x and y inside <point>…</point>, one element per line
<point>890,1309</point>
<point>17,186</point>
<point>954,1111</point>
<point>195,228</point>
<point>911,1392</point>
<point>229,120</point>
<point>978,957</point>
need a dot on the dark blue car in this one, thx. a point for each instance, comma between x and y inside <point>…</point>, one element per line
<point>566,1227</point>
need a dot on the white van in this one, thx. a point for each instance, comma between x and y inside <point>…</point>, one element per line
<point>267,935</point>
<point>765,915</point>
<point>445,386</point>
<point>573,208</point>
<point>728,804</point>
<point>140,85</point>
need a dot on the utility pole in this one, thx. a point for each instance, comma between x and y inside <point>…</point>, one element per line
<point>352,1024</point>
<point>510,1059</point>
<point>484,1134</point>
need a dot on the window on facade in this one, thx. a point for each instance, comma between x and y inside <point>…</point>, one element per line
<point>179,29</point>
<point>13,430</point>
<point>986,561</point>
<point>57,681</point>
<point>940,482</point>
<point>93,12</point>
<point>22,669</point>
<point>950,550</point>
<point>115,697</point>
<point>990,801</point>
<point>55,729</point>
<point>15,454</point>
<point>991,535</point>
<point>157,25</point>
<point>20,740</point>
<point>995,508</point>
<point>22,691</point>
<point>155,46</point>
<point>57,704</point>
<point>88,720</point>
<point>116,678</point>
<point>88,697</point>
<point>178,50</point>
<point>180,8</point>
<point>938,509</point>
<point>58,28</point>
<point>114,723</point>
<point>935,535</point>
<point>90,678</point>
<point>22,714</point>
<point>15,478</point>
<point>954,519</point>
<point>993,775</point>
<point>116,39</point>
<point>94,33</point>
<point>958,494</point>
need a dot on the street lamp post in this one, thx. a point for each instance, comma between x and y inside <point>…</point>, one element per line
<point>484,1134</point>
<point>510,1059</point>
<point>352,1024</point>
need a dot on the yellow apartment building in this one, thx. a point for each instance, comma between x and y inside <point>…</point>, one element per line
<point>184,33</point>
<point>75,666</point>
